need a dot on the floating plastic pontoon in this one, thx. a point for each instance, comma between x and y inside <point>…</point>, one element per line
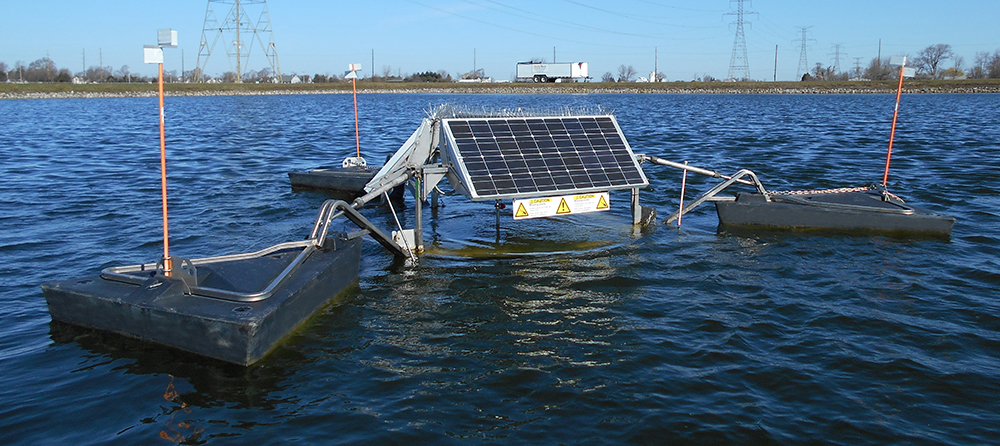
<point>349,179</point>
<point>235,308</point>
<point>871,208</point>
<point>868,208</point>
<point>345,182</point>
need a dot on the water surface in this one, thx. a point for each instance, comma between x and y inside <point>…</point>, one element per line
<point>574,330</point>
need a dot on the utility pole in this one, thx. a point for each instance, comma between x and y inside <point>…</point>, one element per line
<point>373,65</point>
<point>739,63</point>
<point>775,63</point>
<point>803,60</point>
<point>100,58</point>
<point>553,54</point>
<point>84,62</point>
<point>857,67</point>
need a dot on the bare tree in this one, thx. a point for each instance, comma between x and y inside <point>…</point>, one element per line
<point>929,59</point>
<point>386,71</point>
<point>477,74</point>
<point>445,77</point>
<point>41,70</point>
<point>956,71</point>
<point>978,69</point>
<point>626,74</point>
<point>608,77</point>
<point>124,73</point>
<point>248,76</point>
<point>93,74</point>
<point>19,70</point>
<point>266,75</point>
<point>993,66</point>
<point>959,62</point>
<point>822,74</point>
<point>3,72</point>
<point>878,70</point>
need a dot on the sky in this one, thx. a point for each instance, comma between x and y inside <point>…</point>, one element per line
<point>681,39</point>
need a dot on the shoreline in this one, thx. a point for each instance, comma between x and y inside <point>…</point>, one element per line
<point>71,91</point>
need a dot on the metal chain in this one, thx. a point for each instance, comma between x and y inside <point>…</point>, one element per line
<point>821,191</point>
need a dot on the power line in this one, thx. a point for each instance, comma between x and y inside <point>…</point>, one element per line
<point>738,62</point>
<point>640,18</point>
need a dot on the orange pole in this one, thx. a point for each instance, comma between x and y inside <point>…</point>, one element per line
<point>892,134</point>
<point>167,263</point>
<point>357,136</point>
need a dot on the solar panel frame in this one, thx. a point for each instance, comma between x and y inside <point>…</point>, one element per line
<point>518,157</point>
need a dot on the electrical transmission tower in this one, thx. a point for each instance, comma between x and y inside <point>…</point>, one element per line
<point>836,58</point>
<point>739,63</point>
<point>857,67</point>
<point>803,60</point>
<point>239,32</point>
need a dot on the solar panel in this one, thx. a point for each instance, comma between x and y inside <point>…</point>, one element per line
<point>519,157</point>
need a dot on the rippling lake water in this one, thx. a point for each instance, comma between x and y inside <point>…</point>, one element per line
<point>574,330</point>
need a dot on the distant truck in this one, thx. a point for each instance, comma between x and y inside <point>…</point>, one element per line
<point>552,72</point>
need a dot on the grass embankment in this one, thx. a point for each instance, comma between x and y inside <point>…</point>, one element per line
<point>40,90</point>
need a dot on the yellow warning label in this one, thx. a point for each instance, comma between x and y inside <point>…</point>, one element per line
<point>521,211</point>
<point>563,207</point>
<point>540,207</point>
<point>602,203</point>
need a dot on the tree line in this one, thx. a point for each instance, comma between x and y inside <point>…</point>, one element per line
<point>45,70</point>
<point>931,62</point>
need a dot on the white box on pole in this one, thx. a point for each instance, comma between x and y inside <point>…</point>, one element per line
<point>152,54</point>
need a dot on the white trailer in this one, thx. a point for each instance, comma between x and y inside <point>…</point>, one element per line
<point>552,72</point>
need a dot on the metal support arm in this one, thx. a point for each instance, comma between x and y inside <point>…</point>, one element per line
<point>332,209</point>
<point>737,177</point>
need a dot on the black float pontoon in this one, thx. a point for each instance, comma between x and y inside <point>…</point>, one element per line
<point>871,208</point>
<point>851,209</point>
<point>347,182</point>
<point>235,308</point>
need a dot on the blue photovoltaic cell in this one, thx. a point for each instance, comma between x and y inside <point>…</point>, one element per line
<point>508,157</point>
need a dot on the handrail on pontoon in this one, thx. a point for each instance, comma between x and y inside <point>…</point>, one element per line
<point>330,210</point>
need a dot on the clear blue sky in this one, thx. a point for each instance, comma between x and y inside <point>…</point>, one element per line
<point>691,38</point>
